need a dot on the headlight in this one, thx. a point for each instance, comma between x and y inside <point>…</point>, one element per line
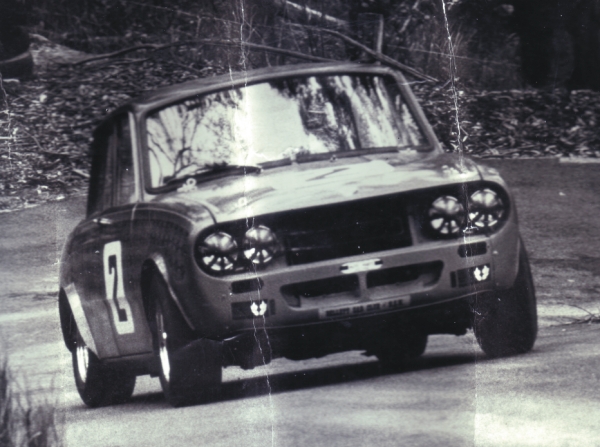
<point>260,245</point>
<point>486,209</point>
<point>447,215</point>
<point>218,252</point>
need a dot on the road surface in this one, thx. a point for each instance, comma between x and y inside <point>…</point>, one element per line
<point>452,396</point>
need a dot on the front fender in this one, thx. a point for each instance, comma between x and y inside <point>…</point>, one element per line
<point>156,265</point>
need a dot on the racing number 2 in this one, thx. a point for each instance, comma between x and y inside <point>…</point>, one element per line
<point>115,290</point>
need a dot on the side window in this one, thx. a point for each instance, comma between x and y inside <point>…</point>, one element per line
<point>125,176</point>
<point>100,192</point>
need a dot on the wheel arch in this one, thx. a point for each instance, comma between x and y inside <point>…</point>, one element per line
<point>156,265</point>
<point>524,261</point>
<point>67,321</point>
<point>73,319</point>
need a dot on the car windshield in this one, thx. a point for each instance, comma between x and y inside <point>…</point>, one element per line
<point>279,120</point>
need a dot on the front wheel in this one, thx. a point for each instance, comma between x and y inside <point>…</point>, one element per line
<point>505,322</point>
<point>98,385</point>
<point>189,368</point>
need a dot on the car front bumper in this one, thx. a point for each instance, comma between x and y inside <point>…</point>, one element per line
<point>368,285</point>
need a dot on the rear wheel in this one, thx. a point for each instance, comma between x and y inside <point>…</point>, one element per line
<point>506,321</point>
<point>189,368</point>
<point>396,352</point>
<point>97,384</point>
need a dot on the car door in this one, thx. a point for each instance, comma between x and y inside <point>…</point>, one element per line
<point>110,283</point>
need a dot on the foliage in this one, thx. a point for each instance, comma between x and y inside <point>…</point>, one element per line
<point>484,47</point>
<point>107,25</point>
<point>49,122</point>
<point>22,422</point>
<point>46,123</point>
<point>515,123</point>
<point>415,32</point>
<point>53,117</point>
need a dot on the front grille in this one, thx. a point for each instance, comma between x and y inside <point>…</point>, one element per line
<point>428,272</point>
<point>347,229</point>
<point>319,288</point>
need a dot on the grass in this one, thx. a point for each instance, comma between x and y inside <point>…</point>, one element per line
<point>23,422</point>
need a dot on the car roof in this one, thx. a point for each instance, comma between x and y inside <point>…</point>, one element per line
<point>178,92</point>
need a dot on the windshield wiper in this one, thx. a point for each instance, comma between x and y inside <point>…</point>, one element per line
<point>308,157</point>
<point>211,172</point>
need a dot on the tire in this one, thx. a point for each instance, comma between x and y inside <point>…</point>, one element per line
<point>189,368</point>
<point>505,322</point>
<point>98,385</point>
<point>398,351</point>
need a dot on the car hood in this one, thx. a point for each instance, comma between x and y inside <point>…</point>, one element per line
<point>318,183</point>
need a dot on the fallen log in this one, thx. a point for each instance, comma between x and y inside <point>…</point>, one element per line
<point>155,47</point>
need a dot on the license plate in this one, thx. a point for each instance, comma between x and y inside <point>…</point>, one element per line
<point>361,309</point>
<point>361,266</point>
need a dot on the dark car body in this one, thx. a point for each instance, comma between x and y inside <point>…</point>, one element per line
<point>314,252</point>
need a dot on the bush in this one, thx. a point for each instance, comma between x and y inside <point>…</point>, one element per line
<point>486,49</point>
<point>24,423</point>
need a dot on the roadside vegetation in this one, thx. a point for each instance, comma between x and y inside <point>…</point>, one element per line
<point>46,121</point>
<point>23,422</point>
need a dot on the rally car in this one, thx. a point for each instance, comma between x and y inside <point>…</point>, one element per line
<point>291,212</point>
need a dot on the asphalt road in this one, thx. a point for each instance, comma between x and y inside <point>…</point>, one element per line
<point>452,396</point>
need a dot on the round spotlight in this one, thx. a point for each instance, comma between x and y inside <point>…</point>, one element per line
<point>447,215</point>
<point>486,209</point>
<point>260,245</point>
<point>219,252</point>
